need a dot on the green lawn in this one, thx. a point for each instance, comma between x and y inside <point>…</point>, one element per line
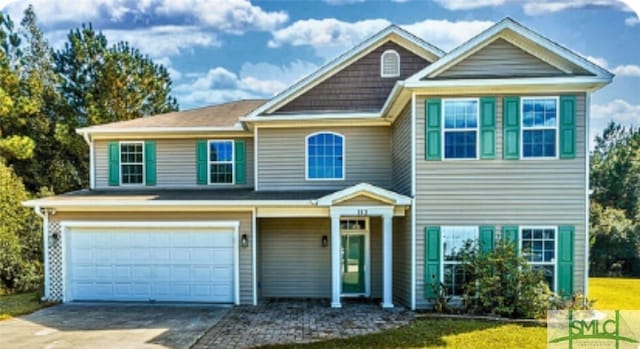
<point>19,304</point>
<point>609,293</point>
<point>615,293</point>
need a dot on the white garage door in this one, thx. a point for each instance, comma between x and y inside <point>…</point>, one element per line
<point>194,265</point>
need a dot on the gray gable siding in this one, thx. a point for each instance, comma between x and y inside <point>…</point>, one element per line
<point>500,192</point>
<point>500,59</point>
<point>281,158</point>
<point>358,87</point>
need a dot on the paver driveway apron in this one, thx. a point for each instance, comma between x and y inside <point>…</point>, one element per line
<point>106,326</point>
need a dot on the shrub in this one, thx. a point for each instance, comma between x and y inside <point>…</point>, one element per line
<point>502,283</point>
<point>20,237</point>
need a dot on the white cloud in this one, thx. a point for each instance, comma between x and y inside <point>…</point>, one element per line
<point>617,110</point>
<point>331,36</point>
<point>327,36</point>
<point>166,62</point>
<point>233,16</point>
<point>447,34</point>
<point>538,7</point>
<point>631,21</point>
<point>467,4</point>
<point>601,61</point>
<point>164,40</point>
<point>156,41</point>
<point>259,80</point>
<point>627,70</point>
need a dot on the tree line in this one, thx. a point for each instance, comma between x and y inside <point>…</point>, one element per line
<point>45,94</point>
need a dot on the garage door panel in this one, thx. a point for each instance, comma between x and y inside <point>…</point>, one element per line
<point>141,265</point>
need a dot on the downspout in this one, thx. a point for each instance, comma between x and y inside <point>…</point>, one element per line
<point>85,136</point>
<point>45,242</point>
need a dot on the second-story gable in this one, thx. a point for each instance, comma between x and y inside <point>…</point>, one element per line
<point>362,86</point>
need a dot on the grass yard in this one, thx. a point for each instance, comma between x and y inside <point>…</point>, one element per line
<point>615,293</point>
<point>444,333</point>
<point>609,293</point>
<point>19,304</point>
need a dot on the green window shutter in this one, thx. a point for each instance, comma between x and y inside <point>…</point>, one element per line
<point>150,162</point>
<point>488,128</point>
<point>565,260</point>
<point>114,163</point>
<point>511,127</point>
<point>432,259</point>
<point>567,127</point>
<point>486,238</point>
<point>241,161</point>
<point>201,162</point>
<point>433,117</point>
<point>510,233</point>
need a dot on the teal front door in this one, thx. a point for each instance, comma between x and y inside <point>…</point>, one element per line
<point>353,263</point>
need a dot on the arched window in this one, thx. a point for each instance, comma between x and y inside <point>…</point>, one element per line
<point>390,64</point>
<point>325,156</point>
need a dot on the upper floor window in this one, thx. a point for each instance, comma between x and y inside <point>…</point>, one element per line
<point>390,64</point>
<point>221,162</point>
<point>132,162</point>
<point>539,127</point>
<point>538,247</point>
<point>325,156</point>
<point>460,128</point>
<point>455,241</point>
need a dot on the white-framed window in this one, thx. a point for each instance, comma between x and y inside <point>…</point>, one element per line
<point>540,117</point>
<point>390,64</point>
<point>454,242</point>
<point>221,161</point>
<point>460,128</point>
<point>324,156</point>
<point>538,245</point>
<point>132,163</point>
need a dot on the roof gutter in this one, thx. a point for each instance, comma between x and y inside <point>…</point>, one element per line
<point>195,129</point>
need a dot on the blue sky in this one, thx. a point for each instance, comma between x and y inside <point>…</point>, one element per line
<point>218,51</point>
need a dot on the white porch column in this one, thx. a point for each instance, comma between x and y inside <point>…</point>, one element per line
<point>335,261</point>
<point>387,262</point>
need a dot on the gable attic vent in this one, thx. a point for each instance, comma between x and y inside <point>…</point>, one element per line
<point>390,64</point>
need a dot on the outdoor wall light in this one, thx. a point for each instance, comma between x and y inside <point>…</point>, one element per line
<point>325,241</point>
<point>244,241</point>
<point>55,236</point>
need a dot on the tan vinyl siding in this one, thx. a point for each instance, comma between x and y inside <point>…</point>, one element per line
<point>357,87</point>
<point>293,262</point>
<point>246,265</point>
<point>501,192</point>
<point>401,153</point>
<point>175,167</point>
<point>402,260</point>
<point>500,59</point>
<point>281,163</point>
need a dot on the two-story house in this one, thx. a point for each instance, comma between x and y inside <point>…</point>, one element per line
<point>362,179</point>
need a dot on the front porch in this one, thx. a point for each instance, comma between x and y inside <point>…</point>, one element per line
<point>345,250</point>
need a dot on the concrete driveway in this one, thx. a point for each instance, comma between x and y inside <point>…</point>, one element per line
<point>106,326</point>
